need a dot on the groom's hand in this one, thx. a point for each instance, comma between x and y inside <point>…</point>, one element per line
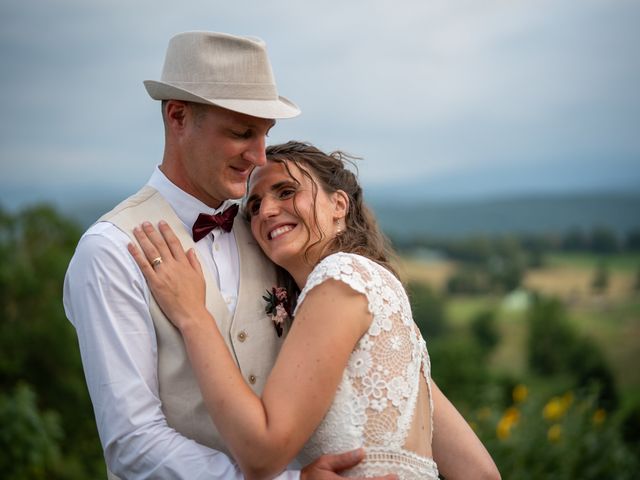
<point>328,467</point>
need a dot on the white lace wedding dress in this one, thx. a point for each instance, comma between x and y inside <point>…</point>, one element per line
<point>383,402</point>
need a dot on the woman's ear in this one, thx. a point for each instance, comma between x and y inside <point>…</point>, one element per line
<point>340,204</point>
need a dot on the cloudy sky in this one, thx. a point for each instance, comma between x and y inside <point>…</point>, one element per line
<point>462,97</point>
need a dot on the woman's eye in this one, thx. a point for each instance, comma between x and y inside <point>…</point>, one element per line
<point>287,192</point>
<point>254,208</point>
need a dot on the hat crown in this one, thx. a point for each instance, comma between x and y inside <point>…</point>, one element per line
<point>209,57</point>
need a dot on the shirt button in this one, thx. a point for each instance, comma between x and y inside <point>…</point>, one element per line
<point>252,379</point>
<point>217,246</point>
<point>242,336</point>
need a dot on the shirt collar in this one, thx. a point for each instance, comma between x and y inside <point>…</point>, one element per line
<point>186,206</point>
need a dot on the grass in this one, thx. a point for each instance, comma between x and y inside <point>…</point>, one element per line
<point>463,308</point>
<point>620,262</point>
<point>574,283</point>
<point>615,327</point>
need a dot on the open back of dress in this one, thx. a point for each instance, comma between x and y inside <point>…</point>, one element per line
<point>383,402</point>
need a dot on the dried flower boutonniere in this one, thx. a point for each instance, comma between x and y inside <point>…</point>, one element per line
<point>278,307</point>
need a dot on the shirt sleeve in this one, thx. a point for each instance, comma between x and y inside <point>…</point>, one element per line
<point>106,299</point>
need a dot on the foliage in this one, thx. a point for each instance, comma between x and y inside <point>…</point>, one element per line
<point>459,368</point>
<point>488,265</point>
<point>38,343</point>
<point>554,348</point>
<point>28,438</point>
<point>485,330</point>
<point>507,265</point>
<point>565,436</point>
<point>468,280</point>
<point>630,427</point>
<point>427,309</point>
<point>604,240</point>
<point>600,280</point>
<point>550,335</point>
<point>575,240</point>
<point>532,248</point>
<point>632,242</point>
<point>572,433</point>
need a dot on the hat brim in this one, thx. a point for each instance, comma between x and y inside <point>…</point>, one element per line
<point>275,109</point>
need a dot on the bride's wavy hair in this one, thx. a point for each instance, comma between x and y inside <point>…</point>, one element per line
<point>361,234</point>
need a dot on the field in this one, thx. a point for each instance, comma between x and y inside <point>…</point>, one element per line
<point>611,317</point>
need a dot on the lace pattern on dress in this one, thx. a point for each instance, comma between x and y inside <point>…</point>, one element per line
<point>376,399</point>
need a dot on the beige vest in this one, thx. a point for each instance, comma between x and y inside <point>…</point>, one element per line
<point>249,333</point>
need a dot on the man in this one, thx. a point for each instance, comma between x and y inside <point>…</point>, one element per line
<point>219,101</point>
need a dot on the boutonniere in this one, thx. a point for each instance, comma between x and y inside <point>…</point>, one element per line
<point>278,307</point>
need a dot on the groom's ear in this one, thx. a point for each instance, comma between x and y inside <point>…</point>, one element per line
<point>340,204</point>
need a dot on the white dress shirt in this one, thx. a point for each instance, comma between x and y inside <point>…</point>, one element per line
<point>106,298</point>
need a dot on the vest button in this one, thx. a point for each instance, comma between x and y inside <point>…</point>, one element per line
<point>252,379</point>
<point>242,336</point>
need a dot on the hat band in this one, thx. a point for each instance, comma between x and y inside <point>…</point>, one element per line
<point>237,91</point>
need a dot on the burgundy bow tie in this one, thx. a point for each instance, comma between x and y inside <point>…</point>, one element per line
<point>205,223</point>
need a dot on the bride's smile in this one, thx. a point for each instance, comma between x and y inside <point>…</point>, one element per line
<point>278,231</point>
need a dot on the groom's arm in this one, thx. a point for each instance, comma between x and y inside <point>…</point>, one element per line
<point>106,299</point>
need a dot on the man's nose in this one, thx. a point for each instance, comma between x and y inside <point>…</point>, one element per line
<point>255,152</point>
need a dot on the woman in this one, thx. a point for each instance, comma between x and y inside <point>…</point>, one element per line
<point>354,370</point>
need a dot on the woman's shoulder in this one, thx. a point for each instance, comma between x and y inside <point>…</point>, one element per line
<point>348,268</point>
<point>355,264</point>
<point>357,271</point>
<point>347,260</point>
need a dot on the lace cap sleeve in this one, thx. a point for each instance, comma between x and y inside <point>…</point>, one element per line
<point>348,268</point>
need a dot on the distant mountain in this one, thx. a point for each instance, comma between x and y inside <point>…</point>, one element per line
<point>514,180</point>
<point>518,214</point>
<point>85,204</point>
<point>410,213</point>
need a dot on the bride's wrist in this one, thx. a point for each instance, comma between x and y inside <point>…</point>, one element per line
<point>195,322</point>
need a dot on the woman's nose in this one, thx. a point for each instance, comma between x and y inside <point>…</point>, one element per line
<point>269,206</point>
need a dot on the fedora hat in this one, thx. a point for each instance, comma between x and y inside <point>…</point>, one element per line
<point>224,70</point>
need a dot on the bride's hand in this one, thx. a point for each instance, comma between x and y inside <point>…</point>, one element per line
<point>174,277</point>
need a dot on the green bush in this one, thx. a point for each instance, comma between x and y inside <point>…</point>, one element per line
<point>485,330</point>
<point>468,281</point>
<point>460,370</point>
<point>550,337</point>
<point>563,437</point>
<point>427,309</point>
<point>38,344</point>
<point>29,438</point>
<point>554,348</point>
<point>630,427</point>
<point>600,281</point>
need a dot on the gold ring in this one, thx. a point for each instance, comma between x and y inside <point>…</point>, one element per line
<point>156,261</point>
